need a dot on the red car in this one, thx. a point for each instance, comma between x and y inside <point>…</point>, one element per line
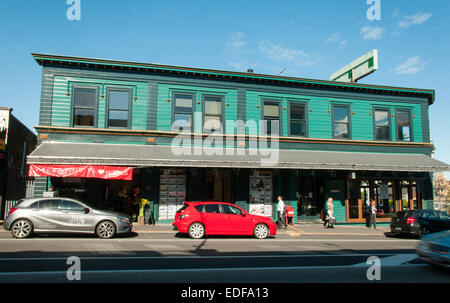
<point>198,219</point>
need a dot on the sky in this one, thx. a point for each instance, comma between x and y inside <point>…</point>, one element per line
<point>299,38</point>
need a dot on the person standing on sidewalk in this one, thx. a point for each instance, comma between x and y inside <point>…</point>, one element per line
<point>329,217</point>
<point>281,213</point>
<point>373,216</point>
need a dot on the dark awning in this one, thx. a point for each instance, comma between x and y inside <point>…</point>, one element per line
<point>164,156</point>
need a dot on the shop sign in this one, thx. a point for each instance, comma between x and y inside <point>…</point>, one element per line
<point>384,191</point>
<point>81,171</point>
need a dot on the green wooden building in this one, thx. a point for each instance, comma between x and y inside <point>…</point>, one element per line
<point>194,134</point>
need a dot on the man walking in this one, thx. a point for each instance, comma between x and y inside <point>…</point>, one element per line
<point>281,213</point>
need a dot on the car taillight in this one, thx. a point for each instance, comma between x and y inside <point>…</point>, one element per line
<point>12,210</point>
<point>410,220</point>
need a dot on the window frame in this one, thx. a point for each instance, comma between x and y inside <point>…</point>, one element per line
<point>305,105</point>
<point>374,109</point>
<point>349,123</point>
<point>411,135</point>
<point>130,106</point>
<point>222,108</point>
<point>73,107</point>
<point>174,93</point>
<point>280,121</point>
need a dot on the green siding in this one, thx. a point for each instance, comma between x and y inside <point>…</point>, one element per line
<point>152,111</point>
<point>164,108</point>
<point>62,102</point>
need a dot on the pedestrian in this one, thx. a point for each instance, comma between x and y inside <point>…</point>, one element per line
<point>329,217</point>
<point>281,207</point>
<point>373,216</point>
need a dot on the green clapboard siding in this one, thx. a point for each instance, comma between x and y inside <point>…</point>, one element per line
<point>62,102</point>
<point>164,101</point>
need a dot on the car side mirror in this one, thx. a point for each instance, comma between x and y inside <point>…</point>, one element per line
<point>86,210</point>
<point>244,214</point>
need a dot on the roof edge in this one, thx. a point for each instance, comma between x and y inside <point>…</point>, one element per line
<point>41,58</point>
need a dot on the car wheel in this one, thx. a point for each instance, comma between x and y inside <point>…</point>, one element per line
<point>196,230</point>
<point>106,230</point>
<point>261,231</point>
<point>22,229</point>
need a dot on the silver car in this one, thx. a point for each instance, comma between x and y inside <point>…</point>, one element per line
<point>64,215</point>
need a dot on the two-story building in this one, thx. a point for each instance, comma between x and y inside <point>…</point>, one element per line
<point>192,134</point>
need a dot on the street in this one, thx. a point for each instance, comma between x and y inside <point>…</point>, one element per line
<point>165,256</point>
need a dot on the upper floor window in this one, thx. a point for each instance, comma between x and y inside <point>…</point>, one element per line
<point>382,124</point>
<point>119,108</point>
<point>212,118</point>
<point>84,105</point>
<point>341,122</point>
<point>182,117</point>
<point>403,123</point>
<point>297,119</point>
<point>271,118</point>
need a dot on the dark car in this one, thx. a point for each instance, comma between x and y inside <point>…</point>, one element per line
<point>419,222</point>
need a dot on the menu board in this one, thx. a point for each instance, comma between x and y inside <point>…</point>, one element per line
<point>172,193</point>
<point>261,195</point>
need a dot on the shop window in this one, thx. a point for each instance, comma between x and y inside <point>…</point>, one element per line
<point>84,104</point>
<point>212,118</point>
<point>297,119</point>
<point>382,124</point>
<point>271,112</point>
<point>119,102</point>
<point>403,124</point>
<point>341,122</point>
<point>182,117</point>
<point>384,197</point>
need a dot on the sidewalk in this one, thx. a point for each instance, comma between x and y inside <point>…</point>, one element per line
<point>297,230</point>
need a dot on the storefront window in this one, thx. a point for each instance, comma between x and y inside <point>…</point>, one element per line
<point>261,193</point>
<point>172,192</point>
<point>384,197</point>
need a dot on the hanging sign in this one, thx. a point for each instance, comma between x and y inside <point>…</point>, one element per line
<point>81,171</point>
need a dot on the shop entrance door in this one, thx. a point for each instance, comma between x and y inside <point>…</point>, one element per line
<point>218,186</point>
<point>310,198</point>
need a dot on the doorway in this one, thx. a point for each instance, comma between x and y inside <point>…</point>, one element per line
<point>218,186</point>
<point>310,198</point>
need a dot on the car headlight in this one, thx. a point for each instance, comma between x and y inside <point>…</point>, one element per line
<point>124,220</point>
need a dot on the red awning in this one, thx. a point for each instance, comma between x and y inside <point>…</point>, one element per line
<point>81,171</point>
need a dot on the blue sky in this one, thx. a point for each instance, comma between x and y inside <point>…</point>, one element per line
<point>309,39</point>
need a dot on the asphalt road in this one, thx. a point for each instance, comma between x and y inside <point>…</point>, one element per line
<point>168,257</point>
